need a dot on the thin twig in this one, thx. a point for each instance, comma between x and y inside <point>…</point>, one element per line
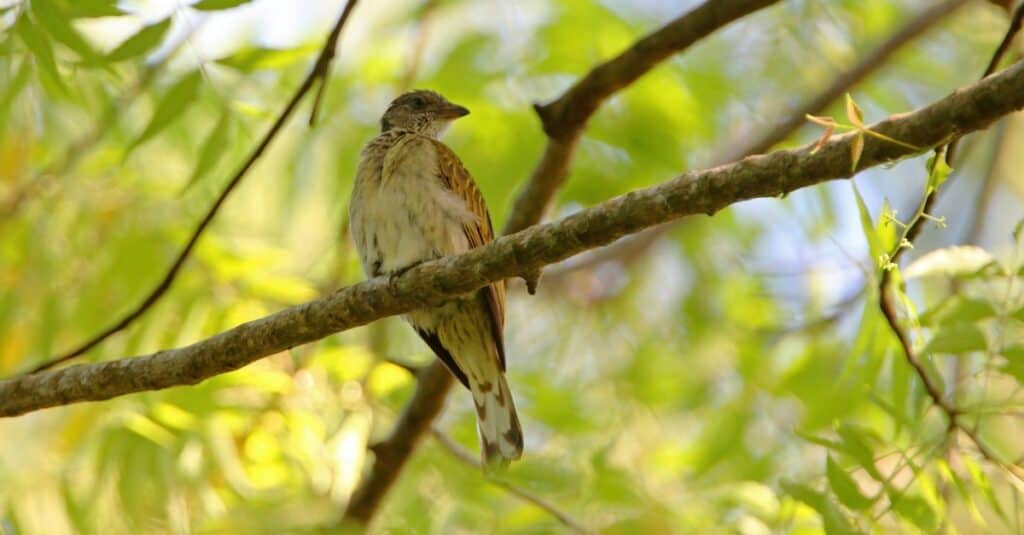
<point>319,70</point>
<point>888,307</point>
<point>563,121</point>
<point>417,44</point>
<point>634,247</point>
<point>467,458</point>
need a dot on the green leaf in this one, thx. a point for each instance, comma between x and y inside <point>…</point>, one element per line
<point>856,442</point>
<point>938,171</point>
<point>212,149</point>
<point>844,487</point>
<point>957,309</point>
<point>143,41</point>
<point>55,21</point>
<point>251,59</point>
<point>170,108</point>
<point>980,480</point>
<point>958,260</point>
<point>214,5</point>
<point>957,339</point>
<point>867,225</point>
<point>1014,365</point>
<point>914,509</point>
<point>89,8</point>
<point>40,47</point>
<point>832,517</point>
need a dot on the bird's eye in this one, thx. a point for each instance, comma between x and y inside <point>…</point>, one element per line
<point>418,102</point>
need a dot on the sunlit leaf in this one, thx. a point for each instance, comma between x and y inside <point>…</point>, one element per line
<point>915,509</point>
<point>171,107</point>
<point>214,5</point>
<point>40,46</point>
<point>142,42</point>
<point>56,23</point>
<point>867,225</point>
<point>853,113</point>
<point>844,486</point>
<point>957,309</point>
<point>950,261</point>
<point>957,339</point>
<point>211,150</point>
<point>856,149</point>
<point>832,517</point>
<point>251,59</point>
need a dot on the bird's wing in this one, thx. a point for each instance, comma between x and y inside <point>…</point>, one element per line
<point>457,179</point>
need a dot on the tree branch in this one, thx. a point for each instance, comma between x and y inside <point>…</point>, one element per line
<point>565,118</point>
<point>635,246</point>
<point>888,307</point>
<point>319,71</point>
<point>430,284</point>
<point>563,121</point>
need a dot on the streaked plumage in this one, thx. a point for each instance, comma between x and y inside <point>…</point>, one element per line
<point>414,201</point>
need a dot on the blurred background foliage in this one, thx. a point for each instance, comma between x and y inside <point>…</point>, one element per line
<point>732,374</point>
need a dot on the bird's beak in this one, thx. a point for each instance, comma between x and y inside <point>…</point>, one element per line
<point>453,111</point>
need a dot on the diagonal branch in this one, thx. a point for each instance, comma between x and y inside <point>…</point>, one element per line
<point>563,121</point>
<point>318,72</point>
<point>432,283</point>
<point>565,118</point>
<point>635,246</point>
<point>888,307</point>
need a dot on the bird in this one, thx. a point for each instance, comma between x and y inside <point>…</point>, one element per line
<point>412,201</point>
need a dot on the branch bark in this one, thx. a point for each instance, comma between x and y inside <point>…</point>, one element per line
<point>696,192</point>
<point>635,246</point>
<point>563,120</point>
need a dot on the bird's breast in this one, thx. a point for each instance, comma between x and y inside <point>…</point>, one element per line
<point>401,219</point>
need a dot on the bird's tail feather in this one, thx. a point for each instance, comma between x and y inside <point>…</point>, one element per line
<point>501,438</point>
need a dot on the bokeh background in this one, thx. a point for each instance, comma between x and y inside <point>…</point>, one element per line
<point>727,374</point>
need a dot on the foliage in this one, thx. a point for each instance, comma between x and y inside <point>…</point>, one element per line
<point>737,376</point>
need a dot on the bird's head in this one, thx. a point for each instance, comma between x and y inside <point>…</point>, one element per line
<point>425,112</point>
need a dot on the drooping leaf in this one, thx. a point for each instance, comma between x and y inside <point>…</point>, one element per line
<point>938,171</point>
<point>41,48</point>
<point>89,8</point>
<point>844,487</point>
<point>957,309</point>
<point>212,149</point>
<point>957,339</point>
<point>142,42</point>
<point>215,5</point>
<point>170,108</point>
<point>867,225</point>
<point>914,509</point>
<point>56,23</point>
<point>257,58</point>
<point>958,260</point>
<point>832,517</point>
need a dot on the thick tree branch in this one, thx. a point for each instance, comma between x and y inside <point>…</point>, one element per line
<point>564,118</point>
<point>563,121</point>
<point>635,246</point>
<point>696,192</point>
<point>319,71</point>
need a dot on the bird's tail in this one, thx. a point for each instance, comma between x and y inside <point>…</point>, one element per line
<point>501,438</point>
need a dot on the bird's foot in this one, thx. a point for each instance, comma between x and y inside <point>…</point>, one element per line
<point>393,276</point>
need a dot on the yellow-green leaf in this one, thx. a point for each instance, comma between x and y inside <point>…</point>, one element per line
<point>145,40</point>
